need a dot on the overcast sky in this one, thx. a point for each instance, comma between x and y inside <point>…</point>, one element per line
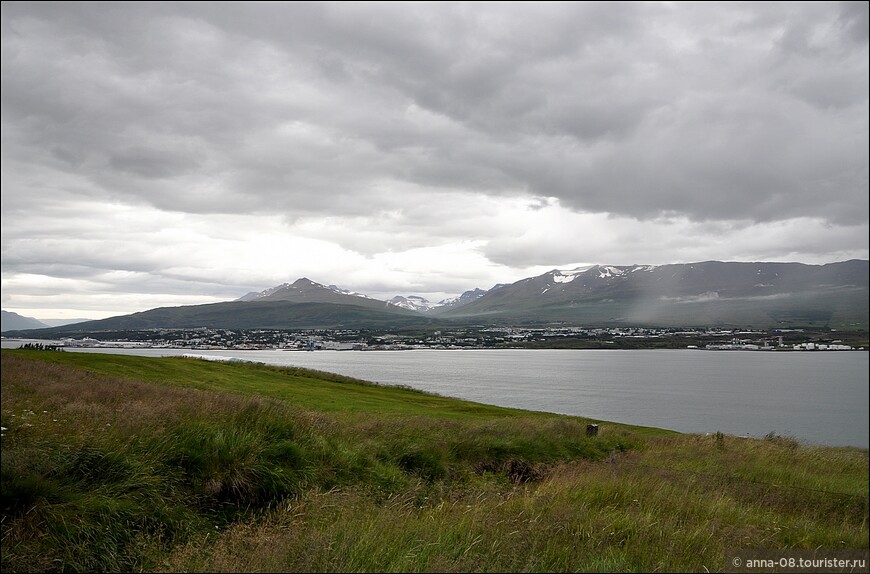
<point>174,154</point>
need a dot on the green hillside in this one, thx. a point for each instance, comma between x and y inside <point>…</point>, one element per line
<point>119,463</point>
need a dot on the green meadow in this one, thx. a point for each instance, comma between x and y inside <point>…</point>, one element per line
<point>121,463</point>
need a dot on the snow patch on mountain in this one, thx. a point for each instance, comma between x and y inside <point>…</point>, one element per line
<point>346,292</point>
<point>559,277</point>
<point>412,302</point>
<point>566,276</point>
<point>609,271</point>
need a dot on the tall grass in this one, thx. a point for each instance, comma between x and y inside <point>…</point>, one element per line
<point>202,467</point>
<point>579,518</point>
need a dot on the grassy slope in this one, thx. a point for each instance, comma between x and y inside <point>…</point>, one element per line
<point>129,463</point>
<point>302,388</point>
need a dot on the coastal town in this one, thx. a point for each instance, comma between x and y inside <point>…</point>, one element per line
<point>483,337</point>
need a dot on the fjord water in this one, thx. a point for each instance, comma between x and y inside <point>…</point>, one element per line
<point>816,397</point>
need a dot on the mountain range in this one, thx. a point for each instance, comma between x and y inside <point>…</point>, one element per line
<point>711,293</point>
<point>696,294</point>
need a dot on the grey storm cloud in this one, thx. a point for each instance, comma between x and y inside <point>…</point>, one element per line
<point>710,111</point>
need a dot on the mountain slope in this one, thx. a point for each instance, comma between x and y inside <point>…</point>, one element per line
<point>305,290</point>
<point>707,293</point>
<point>13,322</point>
<point>456,302</point>
<point>248,315</point>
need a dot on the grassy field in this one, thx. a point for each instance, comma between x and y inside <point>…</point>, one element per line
<point>117,463</point>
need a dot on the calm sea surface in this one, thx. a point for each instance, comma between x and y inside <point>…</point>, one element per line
<point>817,397</point>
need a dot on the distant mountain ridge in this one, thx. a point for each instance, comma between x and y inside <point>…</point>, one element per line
<point>14,322</point>
<point>710,293</point>
<point>422,305</point>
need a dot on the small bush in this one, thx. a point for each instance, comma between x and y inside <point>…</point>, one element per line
<point>20,490</point>
<point>233,465</point>
<point>787,441</point>
<point>92,466</point>
<point>427,463</point>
